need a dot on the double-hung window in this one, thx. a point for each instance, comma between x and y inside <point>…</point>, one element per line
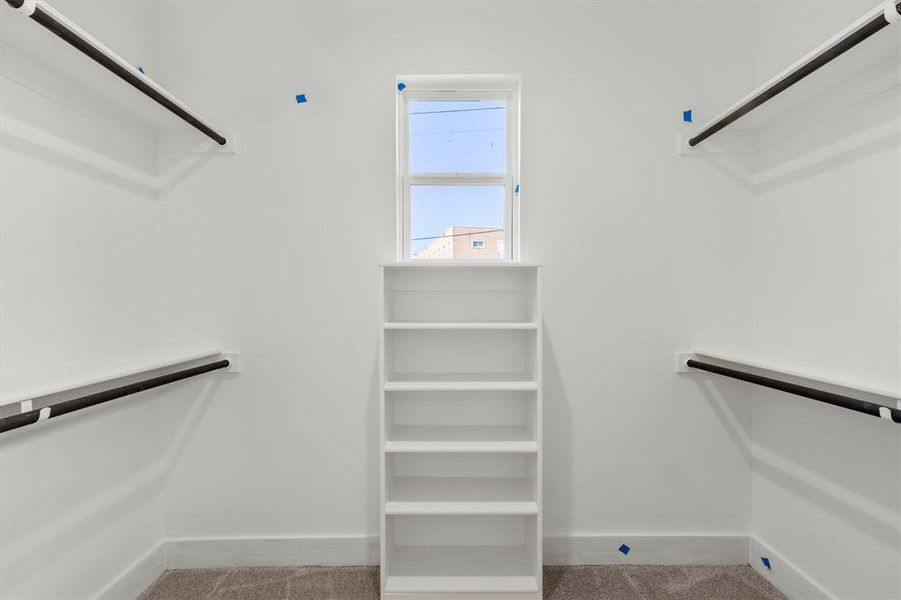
<point>458,167</point>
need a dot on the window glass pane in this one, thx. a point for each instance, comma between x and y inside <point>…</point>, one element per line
<point>458,136</point>
<point>457,221</point>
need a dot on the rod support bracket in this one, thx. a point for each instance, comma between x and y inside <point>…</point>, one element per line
<point>231,144</point>
<point>682,359</point>
<point>235,364</point>
<point>27,8</point>
<point>682,146</point>
<point>890,11</point>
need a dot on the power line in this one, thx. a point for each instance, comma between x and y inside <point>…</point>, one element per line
<point>456,110</point>
<point>458,131</point>
<point>438,237</point>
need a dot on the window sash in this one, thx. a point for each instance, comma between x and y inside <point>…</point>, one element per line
<point>430,88</point>
<point>509,133</point>
<point>458,180</point>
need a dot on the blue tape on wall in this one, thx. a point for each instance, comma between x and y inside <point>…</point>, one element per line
<point>300,98</point>
<point>400,86</point>
<point>141,69</point>
<point>624,549</point>
<point>516,189</point>
<point>766,562</point>
<point>686,115</point>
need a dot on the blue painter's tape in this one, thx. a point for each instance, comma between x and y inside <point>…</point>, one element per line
<point>686,115</point>
<point>400,86</point>
<point>300,98</point>
<point>766,562</point>
<point>140,68</point>
<point>624,549</point>
<point>516,189</point>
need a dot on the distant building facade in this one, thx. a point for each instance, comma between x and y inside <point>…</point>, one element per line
<point>467,243</point>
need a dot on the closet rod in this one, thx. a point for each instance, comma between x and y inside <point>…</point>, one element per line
<point>869,24</point>
<point>68,406</point>
<point>94,49</point>
<point>862,406</point>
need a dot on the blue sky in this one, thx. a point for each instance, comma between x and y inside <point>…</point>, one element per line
<point>455,137</point>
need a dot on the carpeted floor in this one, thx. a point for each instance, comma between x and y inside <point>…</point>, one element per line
<point>560,583</point>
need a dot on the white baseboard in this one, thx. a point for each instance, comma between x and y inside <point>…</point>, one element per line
<point>785,576</point>
<point>137,577</point>
<point>679,549</point>
<point>272,552</point>
<point>361,550</point>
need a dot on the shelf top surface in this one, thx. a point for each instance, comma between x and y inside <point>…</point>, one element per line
<point>461,325</point>
<point>451,264</point>
<point>34,385</point>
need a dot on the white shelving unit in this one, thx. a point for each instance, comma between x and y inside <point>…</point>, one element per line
<point>460,433</point>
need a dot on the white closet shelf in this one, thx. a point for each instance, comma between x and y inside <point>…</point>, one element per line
<point>502,325</point>
<point>457,264</point>
<point>462,585</point>
<point>845,44</point>
<point>394,507</point>
<point>460,386</point>
<point>23,391</point>
<point>758,359</point>
<point>88,63</point>
<point>474,446</point>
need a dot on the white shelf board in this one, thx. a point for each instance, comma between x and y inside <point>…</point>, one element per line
<point>34,391</point>
<point>395,507</point>
<point>488,264</point>
<point>462,585</point>
<point>464,385</point>
<point>758,360</point>
<point>501,325</point>
<point>472,446</point>
<point>461,489</point>
<point>476,566</point>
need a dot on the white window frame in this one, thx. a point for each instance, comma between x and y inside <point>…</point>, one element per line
<point>459,87</point>
<point>477,244</point>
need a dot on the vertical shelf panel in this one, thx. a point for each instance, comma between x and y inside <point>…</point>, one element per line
<point>460,431</point>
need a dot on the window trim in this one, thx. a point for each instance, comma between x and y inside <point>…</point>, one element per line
<point>455,87</point>
<point>481,245</point>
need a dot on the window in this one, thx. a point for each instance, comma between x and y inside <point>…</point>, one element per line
<point>458,167</point>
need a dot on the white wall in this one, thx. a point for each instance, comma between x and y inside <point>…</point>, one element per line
<point>277,252</point>
<point>80,498</point>
<point>826,485</point>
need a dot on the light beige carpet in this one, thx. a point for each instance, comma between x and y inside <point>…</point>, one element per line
<point>560,583</point>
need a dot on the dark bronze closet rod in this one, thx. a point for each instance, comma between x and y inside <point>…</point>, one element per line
<point>826,55</point>
<point>861,406</point>
<point>59,25</point>
<point>75,404</point>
